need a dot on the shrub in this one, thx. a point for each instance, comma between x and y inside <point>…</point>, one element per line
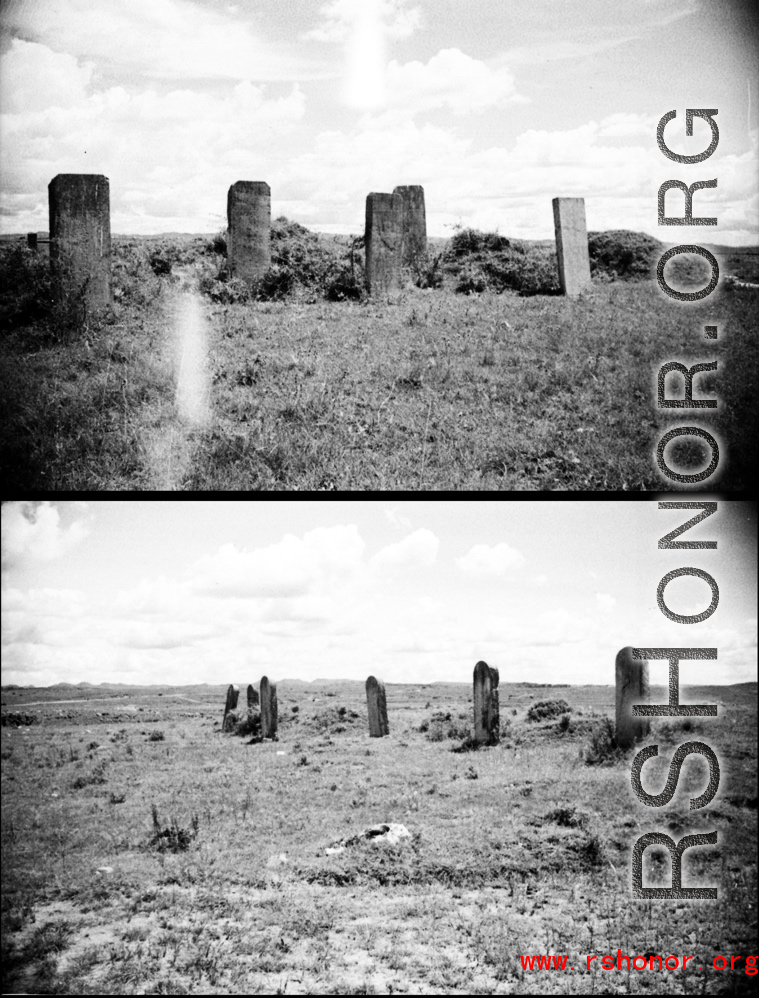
<point>173,838</point>
<point>623,254</point>
<point>486,261</point>
<point>218,243</point>
<point>441,726</point>
<point>161,262</point>
<point>427,272</point>
<point>250,724</point>
<point>156,736</point>
<point>26,288</point>
<point>602,749</point>
<point>342,285</point>
<point>547,710</point>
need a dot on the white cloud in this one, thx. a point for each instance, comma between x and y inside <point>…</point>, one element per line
<point>33,530</point>
<point>396,518</point>
<point>398,20</point>
<point>417,550</point>
<point>484,560</point>
<point>605,602</point>
<point>196,148</point>
<point>163,39</point>
<point>34,78</point>
<point>292,567</point>
<point>452,80</point>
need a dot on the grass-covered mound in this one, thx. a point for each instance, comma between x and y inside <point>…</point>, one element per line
<point>621,254</point>
<point>299,259</point>
<point>487,261</point>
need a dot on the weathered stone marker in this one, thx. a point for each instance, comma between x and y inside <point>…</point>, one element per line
<point>632,688</point>
<point>414,224</point>
<point>249,235</point>
<point>31,241</point>
<point>571,244</point>
<point>268,708</point>
<point>230,705</point>
<point>486,711</point>
<point>383,241</point>
<point>80,236</point>
<point>377,707</point>
<point>252,698</point>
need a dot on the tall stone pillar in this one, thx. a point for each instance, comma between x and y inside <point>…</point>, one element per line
<point>631,688</point>
<point>249,236</point>
<point>268,695</point>
<point>80,236</point>
<point>486,710</point>
<point>414,224</point>
<point>377,707</point>
<point>383,241</point>
<point>571,244</point>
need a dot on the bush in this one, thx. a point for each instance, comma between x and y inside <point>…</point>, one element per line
<point>342,285</point>
<point>441,726</point>
<point>486,261</point>
<point>602,749</point>
<point>427,271</point>
<point>26,288</point>
<point>218,244</point>
<point>250,724</point>
<point>156,736</point>
<point>547,710</point>
<point>623,254</point>
<point>173,838</point>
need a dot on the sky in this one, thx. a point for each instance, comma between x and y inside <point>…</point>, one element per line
<point>494,106</point>
<point>178,593</point>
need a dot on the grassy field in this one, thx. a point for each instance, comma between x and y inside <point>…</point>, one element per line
<point>484,380</point>
<point>145,852</point>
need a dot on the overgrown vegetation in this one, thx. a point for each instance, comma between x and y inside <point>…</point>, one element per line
<point>202,866</point>
<point>315,386</point>
<point>547,710</point>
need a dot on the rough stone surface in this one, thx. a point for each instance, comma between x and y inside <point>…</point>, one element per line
<point>377,707</point>
<point>383,241</point>
<point>231,720</point>
<point>571,244</point>
<point>486,708</point>
<point>252,697</point>
<point>80,236</point>
<point>233,693</point>
<point>268,693</point>
<point>414,224</point>
<point>31,241</point>
<point>249,233</point>
<point>632,688</point>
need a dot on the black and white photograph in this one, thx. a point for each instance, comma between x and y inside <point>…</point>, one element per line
<point>379,748</point>
<point>378,245</point>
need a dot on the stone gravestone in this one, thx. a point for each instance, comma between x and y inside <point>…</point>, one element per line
<point>486,711</point>
<point>268,693</point>
<point>31,241</point>
<point>249,232</point>
<point>377,707</point>
<point>233,693</point>
<point>252,698</point>
<point>383,242</point>
<point>571,244</point>
<point>632,688</point>
<point>80,236</point>
<point>414,224</point>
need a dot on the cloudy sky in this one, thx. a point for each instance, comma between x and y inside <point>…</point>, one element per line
<point>176,593</point>
<point>495,106</point>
